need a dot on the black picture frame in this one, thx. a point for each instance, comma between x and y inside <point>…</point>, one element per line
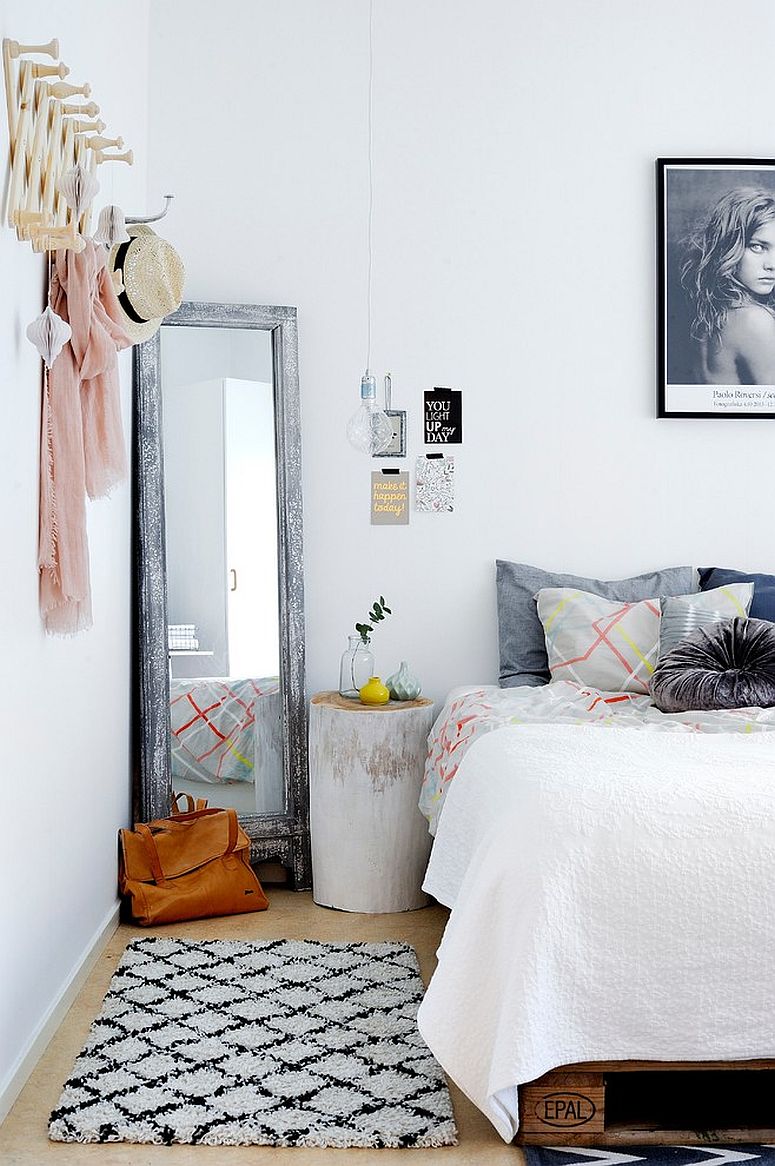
<point>704,224</point>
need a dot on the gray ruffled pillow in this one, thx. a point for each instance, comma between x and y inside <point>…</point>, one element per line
<point>729,665</point>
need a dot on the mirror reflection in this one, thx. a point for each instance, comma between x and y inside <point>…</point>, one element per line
<point>222,584</point>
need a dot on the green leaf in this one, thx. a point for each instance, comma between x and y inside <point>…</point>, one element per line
<point>386,609</point>
<point>382,600</point>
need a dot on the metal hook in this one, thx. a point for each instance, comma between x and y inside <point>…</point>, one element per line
<point>151,218</point>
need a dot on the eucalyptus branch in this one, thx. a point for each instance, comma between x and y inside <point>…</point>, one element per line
<point>378,612</point>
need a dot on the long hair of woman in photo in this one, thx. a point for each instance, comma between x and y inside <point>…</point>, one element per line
<point>713,253</point>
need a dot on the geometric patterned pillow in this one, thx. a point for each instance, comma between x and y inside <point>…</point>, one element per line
<point>611,645</point>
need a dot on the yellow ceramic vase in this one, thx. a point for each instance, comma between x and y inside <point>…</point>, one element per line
<point>374,692</point>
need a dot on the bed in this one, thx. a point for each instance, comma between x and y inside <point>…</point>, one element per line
<point>610,874</point>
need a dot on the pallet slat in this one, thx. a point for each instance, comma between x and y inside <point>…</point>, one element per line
<point>614,1103</point>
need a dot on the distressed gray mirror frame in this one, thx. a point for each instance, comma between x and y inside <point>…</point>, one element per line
<point>283,836</point>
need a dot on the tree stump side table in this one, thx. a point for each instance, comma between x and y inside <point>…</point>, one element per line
<point>370,842</point>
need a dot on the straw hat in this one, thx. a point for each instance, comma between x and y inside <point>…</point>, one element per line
<point>152,275</point>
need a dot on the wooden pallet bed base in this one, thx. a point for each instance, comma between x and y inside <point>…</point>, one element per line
<point>617,1103</point>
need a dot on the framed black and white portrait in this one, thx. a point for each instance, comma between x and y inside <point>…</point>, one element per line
<point>716,287</point>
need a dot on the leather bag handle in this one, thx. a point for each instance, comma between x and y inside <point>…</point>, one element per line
<point>233,827</point>
<point>153,854</point>
<point>192,806</point>
<point>176,798</point>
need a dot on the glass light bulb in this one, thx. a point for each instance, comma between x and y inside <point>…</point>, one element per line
<point>369,429</point>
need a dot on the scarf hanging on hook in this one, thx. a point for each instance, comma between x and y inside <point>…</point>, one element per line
<point>82,441</point>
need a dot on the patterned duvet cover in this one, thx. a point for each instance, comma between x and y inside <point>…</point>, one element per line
<point>470,712</point>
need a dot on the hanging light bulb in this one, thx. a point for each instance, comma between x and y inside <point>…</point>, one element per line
<point>369,429</point>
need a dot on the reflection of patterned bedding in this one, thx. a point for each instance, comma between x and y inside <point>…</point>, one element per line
<point>470,712</point>
<point>215,723</point>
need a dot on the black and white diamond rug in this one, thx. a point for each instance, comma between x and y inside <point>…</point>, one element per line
<point>273,1043</point>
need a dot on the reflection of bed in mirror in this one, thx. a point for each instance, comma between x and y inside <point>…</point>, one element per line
<point>228,732</point>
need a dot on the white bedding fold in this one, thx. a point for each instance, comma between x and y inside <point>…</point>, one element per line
<point>614,898</point>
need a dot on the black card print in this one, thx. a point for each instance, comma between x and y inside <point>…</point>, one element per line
<point>443,417</point>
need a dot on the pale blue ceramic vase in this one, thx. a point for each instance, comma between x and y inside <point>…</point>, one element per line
<point>402,685</point>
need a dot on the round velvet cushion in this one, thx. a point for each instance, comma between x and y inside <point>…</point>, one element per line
<point>728,665</point>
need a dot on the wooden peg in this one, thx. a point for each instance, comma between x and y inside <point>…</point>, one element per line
<point>89,110</point>
<point>62,89</point>
<point>16,50</point>
<point>26,219</point>
<point>61,70</point>
<point>127,157</point>
<point>98,143</point>
<point>46,238</point>
<point>26,222</point>
<point>86,127</point>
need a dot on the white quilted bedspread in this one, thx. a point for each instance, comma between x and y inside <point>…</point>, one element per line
<point>469,713</point>
<point>614,898</point>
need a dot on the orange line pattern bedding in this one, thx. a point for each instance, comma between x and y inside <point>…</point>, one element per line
<point>216,724</point>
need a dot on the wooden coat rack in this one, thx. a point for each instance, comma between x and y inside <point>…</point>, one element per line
<point>48,135</point>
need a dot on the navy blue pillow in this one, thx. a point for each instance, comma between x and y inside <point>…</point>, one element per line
<point>763,606</point>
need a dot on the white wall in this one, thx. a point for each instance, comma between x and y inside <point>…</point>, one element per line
<point>514,147</point>
<point>64,703</point>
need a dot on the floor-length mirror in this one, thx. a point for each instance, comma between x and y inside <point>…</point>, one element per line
<point>219,572</point>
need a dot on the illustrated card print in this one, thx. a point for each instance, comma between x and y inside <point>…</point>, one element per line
<point>389,498</point>
<point>443,416</point>
<point>435,484</point>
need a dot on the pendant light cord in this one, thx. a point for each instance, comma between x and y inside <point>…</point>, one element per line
<point>371,179</point>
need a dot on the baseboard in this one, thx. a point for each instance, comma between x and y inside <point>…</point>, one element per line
<point>53,1017</point>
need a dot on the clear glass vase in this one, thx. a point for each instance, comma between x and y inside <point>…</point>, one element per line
<point>356,668</point>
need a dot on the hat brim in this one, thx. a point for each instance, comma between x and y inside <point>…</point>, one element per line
<point>140,332</point>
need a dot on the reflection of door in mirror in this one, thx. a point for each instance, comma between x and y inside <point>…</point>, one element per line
<point>222,591</point>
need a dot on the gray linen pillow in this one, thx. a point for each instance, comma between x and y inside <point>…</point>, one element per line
<point>523,658</point>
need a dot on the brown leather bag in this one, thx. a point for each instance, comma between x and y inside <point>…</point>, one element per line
<point>188,866</point>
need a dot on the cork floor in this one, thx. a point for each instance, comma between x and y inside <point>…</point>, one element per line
<point>23,1136</point>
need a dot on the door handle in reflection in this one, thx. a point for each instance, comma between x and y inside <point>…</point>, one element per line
<point>233,575</point>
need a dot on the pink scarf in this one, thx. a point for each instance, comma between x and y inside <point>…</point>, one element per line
<point>82,441</point>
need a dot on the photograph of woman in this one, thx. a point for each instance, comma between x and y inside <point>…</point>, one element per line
<point>717,247</point>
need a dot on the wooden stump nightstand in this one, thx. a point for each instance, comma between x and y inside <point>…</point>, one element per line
<point>370,843</point>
